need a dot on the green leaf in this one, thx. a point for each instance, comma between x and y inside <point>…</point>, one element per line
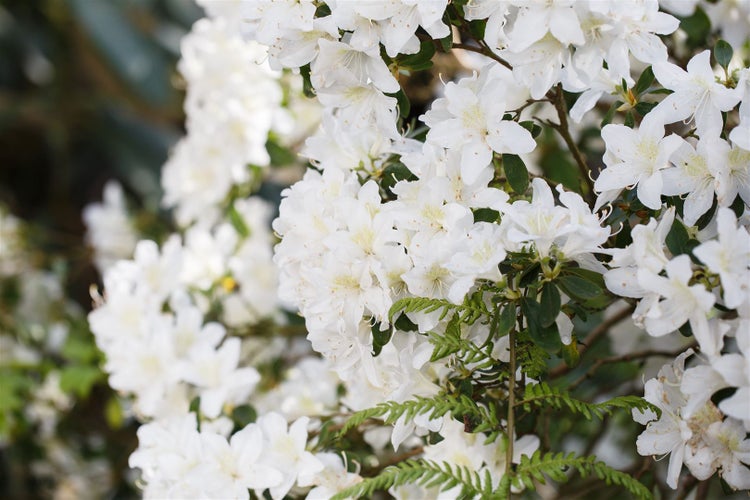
<point>697,27</point>
<point>279,155</point>
<point>419,61</point>
<point>402,102</point>
<point>238,222</point>
<point>516,172</point>
<point>79,379</point>
<point>629,119</point>
<point>677,239</point>
<point>379,338</point>
<point>307,87</point>
<point>723,53</point>
<point>506,320</point>
<point>486,215</point>
<point>546,337</point>
<point>579,288</point>
<point>243,415</point>
<point>611,113</point>
<point>477,28</point>
<point>394,173</point>
<point>550,303</point>
<point>447,42</point>
<point>452,335</point>
<point>644,81</point>
<point>644,108</point>
<point>532,127</point>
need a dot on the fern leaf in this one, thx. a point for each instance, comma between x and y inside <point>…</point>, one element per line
<point>541,394</point>
<point>555,465</point>
<point>469,312</point>
<point>426,473</point>
<point>436,407</point>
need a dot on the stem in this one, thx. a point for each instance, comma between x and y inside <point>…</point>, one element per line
<point>564,131</point>
<point>511,403</point>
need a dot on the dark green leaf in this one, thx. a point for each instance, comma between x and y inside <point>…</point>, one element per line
<point>550,303</point>
<point>419,61</point>
<point>611,113</point>
<point>579,288</point>
<point>677,238</point>
<point>723,53</point>
<point>548,338</point>
<point>516,173</point>
<point>394,173</point>
<point>403,103</point>
<point>379,338</point>
<point>532,127</point>
<point>477,27</point>
<point>243,415</point>
<point>697,27</point>
<point>644,108</point>
<point>404,324</point>
<point>486,215</point>
<point>506,320</point>
<point>644,81</point>
<point>447,42</point>
<point>307,86</point>
<point>629,119</point>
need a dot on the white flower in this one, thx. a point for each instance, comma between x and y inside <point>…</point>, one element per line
<point>470,119</point>
<point>285,450</point>
<point>729,257</point>
<point>696,172</point>
<point>535,19</point>
<point>682,302</point>
<point>697,94</point>
<point>636,158</point>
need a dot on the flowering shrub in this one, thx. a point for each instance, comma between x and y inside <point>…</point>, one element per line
<point>511,213</point>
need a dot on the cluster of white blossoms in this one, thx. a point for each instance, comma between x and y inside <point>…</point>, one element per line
<point>174,318</point>
<point>394,211</point>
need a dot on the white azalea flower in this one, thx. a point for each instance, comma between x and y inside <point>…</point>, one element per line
<point>636,158</point>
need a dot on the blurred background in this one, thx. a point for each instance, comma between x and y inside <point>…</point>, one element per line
<point>88,93</point>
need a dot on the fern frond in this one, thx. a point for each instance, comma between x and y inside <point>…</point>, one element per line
<point>435,407</point>
<point>469,312</point>
<point>426,473</point>
<point>554,465</point>
<point>451,342</point>
<point>542,395</point>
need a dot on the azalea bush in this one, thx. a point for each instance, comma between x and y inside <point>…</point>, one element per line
<point>511,256</point>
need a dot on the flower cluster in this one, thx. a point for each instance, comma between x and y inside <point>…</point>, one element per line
<point>445,261</point>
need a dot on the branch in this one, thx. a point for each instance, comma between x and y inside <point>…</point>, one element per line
<point>596,334</point>
<point>563,129</point>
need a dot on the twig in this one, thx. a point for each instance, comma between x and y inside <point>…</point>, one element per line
<point>593,337</point>
<point>563,129</point>
<point>625,358</point>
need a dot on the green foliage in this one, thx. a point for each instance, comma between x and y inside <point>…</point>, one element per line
<point>451,343</point>
<point>469,312</point>
<point>426,473</point>
<point>516,173</point>
<point>555,466</point>
<point>435,407</point>
<point>542,395</point>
